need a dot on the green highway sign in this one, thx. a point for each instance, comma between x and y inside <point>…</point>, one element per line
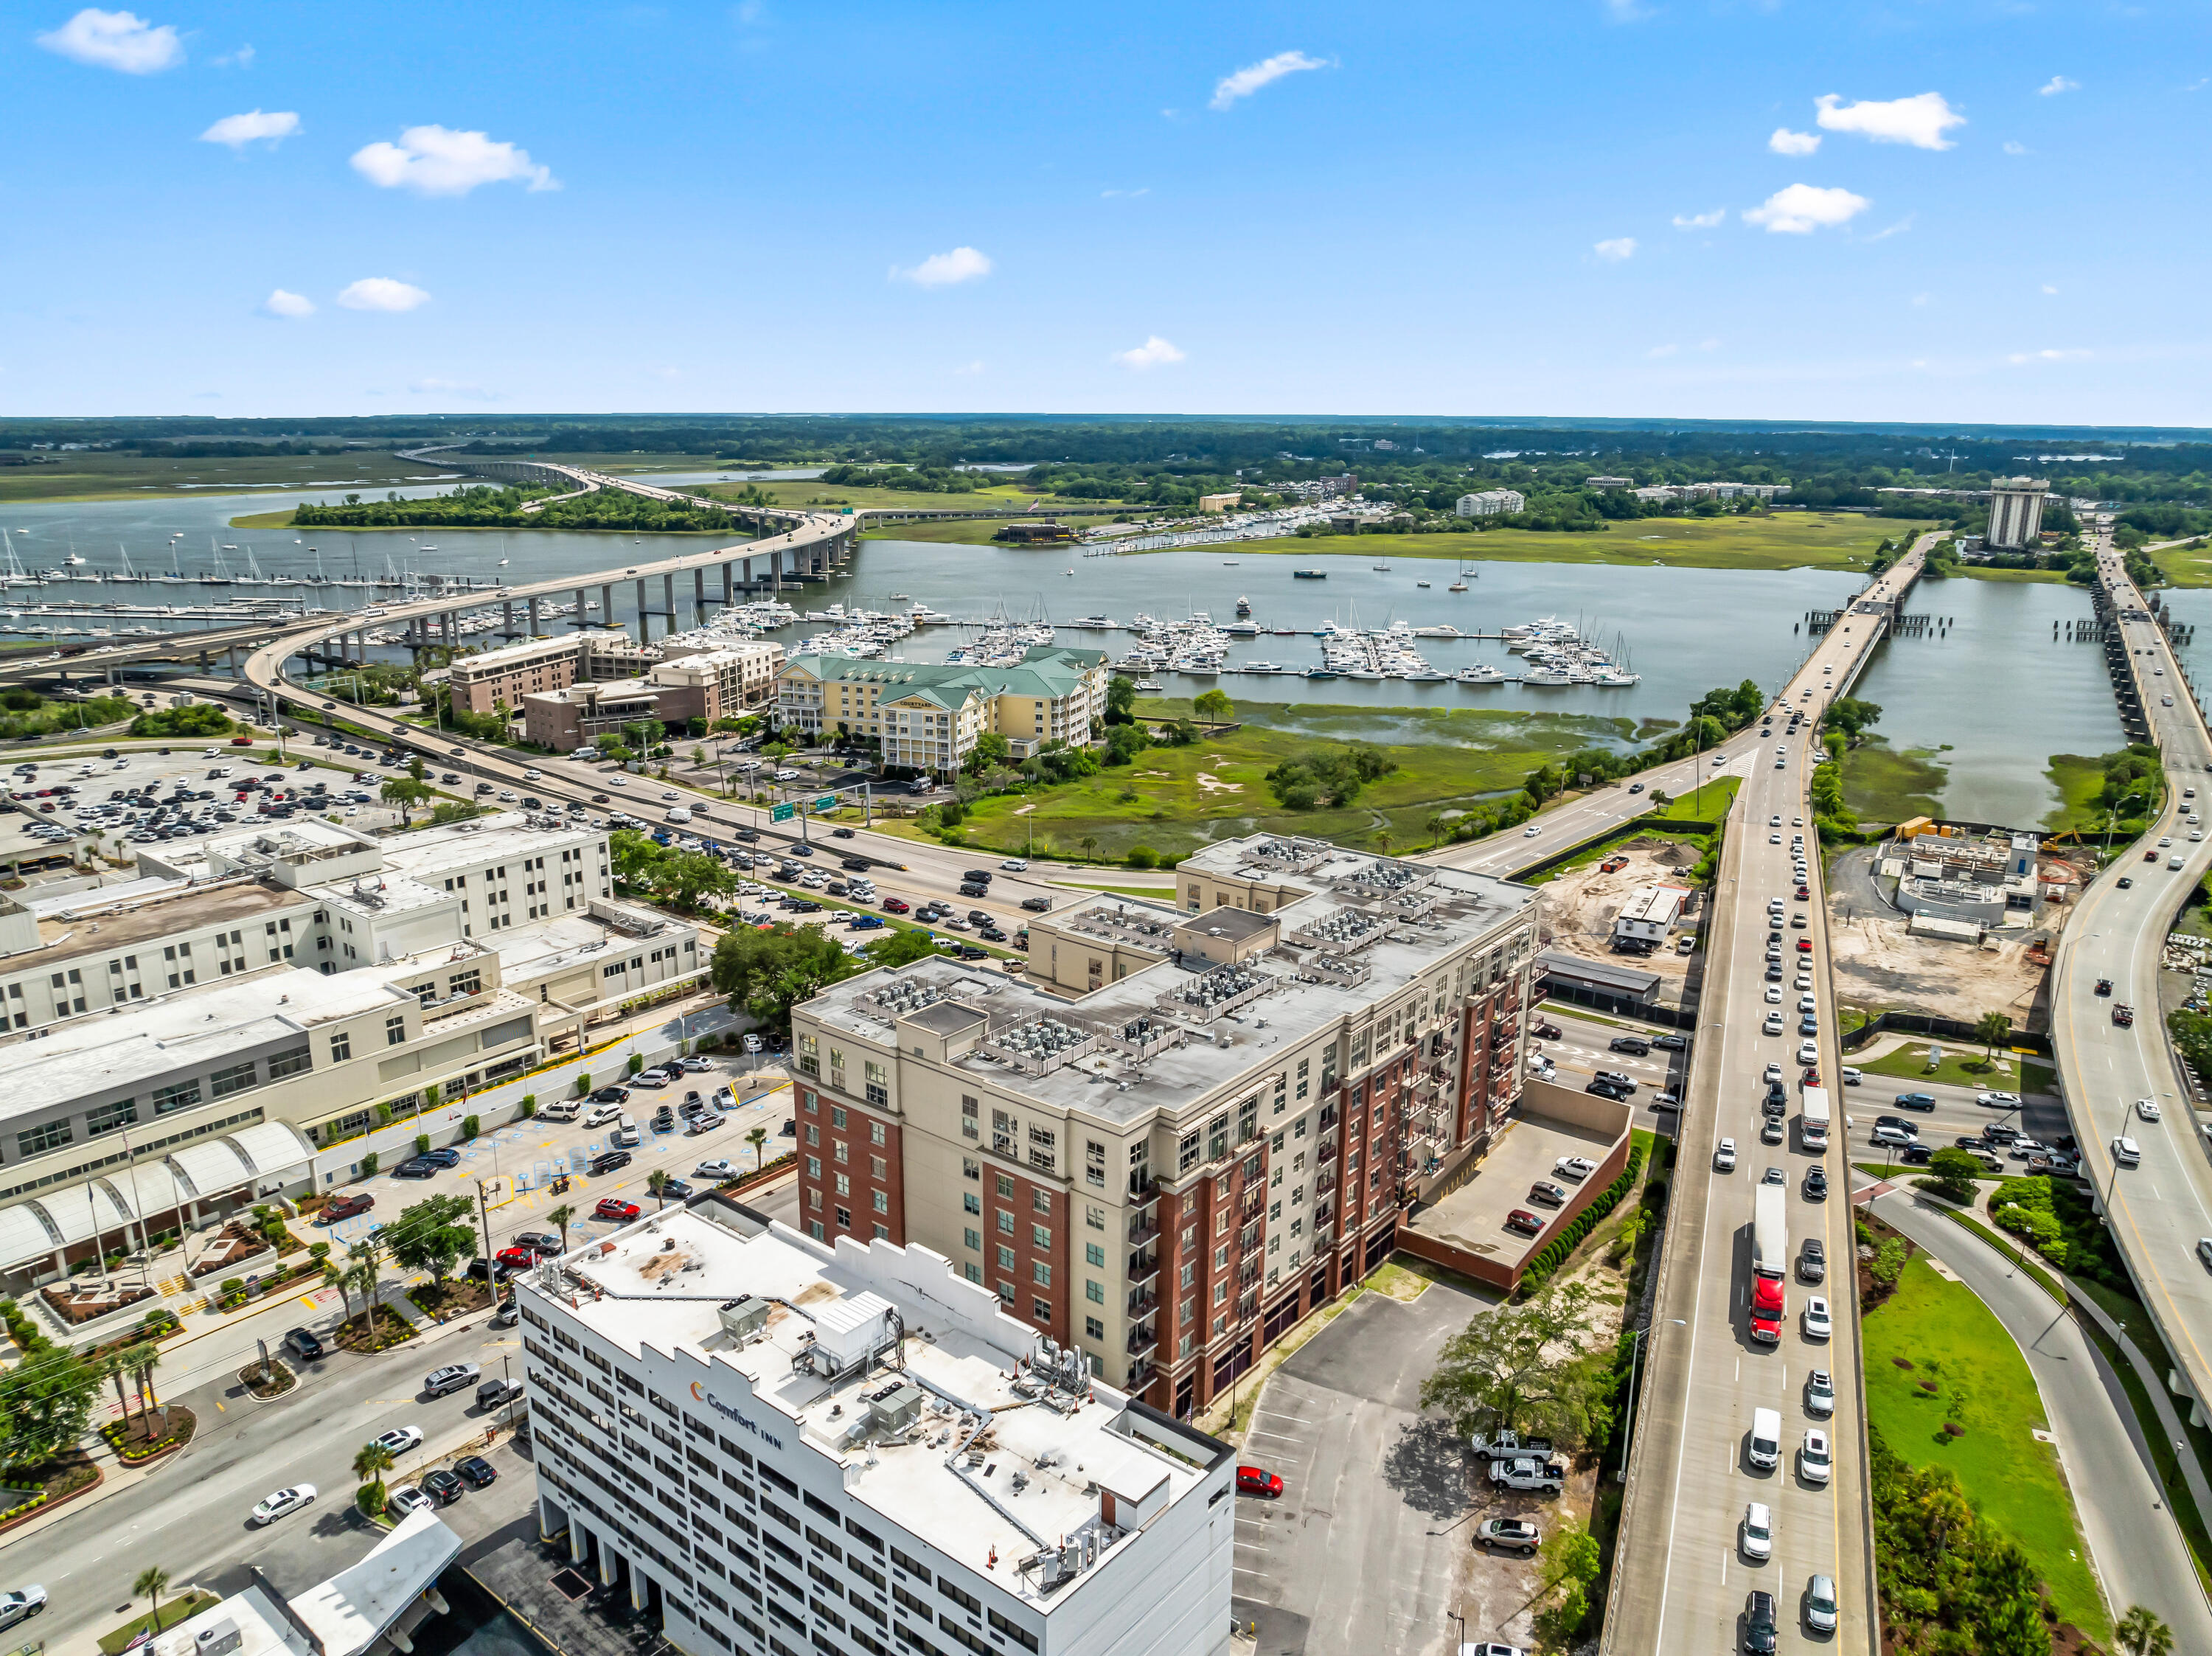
<point>827,801</point>
<point>782,812</point>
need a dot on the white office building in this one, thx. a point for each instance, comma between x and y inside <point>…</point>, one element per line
<point>1490,502</point>
<point>781,1447</point>
<point>2016,513</point>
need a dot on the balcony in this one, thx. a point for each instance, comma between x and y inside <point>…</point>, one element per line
<point>1141,1375</point>
<point>1255,1202</point>
<point>1142,1267</point>
<point>1327,1153</point>
<point>1142,1303</point>
<point>1143,1231</point>
<point>1143,1188</point>
<point>1141,1340</point>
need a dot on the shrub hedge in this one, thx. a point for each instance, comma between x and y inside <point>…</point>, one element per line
<point>1557,1251</point>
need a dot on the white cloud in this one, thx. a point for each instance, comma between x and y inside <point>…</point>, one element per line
<point>943,270</point>
<point>2048,356</point>
<point>974,367</point>
<point>1124,195</point>
<point>435,160</point>
<point>1626,11</point>
<point>1920,121</point>
<point>1804,208</point>
<point>241,58</point>
<point>253,127</point>
<point>1699,221</point>
<point>1153,354</point>
<point>2012,147</point>
<point>1920,298</point>
<point>1616,248</point>
<point>1250,78</point>
<point>1786,143</point>
<point>1896,229</point>
<point>282,303</point>
<point>382,293</point>
<point>2056,84</point>
<point>117,39</point>
<point>2048,289</point>
<point>1662,350</point>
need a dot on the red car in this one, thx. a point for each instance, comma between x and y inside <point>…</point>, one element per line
<point>1804,945</point>
<point>613,1207</point>
<point>897,906</point>
<point>345,1207</point>
<point>517,1258</point>
<point>1524,1221</point>
<point>1804,892</point>
<point>1257,1480</point>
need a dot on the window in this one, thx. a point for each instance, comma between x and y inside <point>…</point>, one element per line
<point>395,1031</point>
<point>341,1046</point>
<point>38,1140</point>
<point>1006,1222</point>
<point>1039,1237</point>
<point>974,1238</point>
<point>107,1117</point>
<point>178,1095</point>
<point>1006,1188</point>
<point>1093,1328</point>
<point>1005,1259</point>
<point>1040,1310</point>
<point>1094,1291</point>
<point>294,1060</point>
<point>1094,1217</point>
<point>881,1200</point>
<point>971,1202</point>
<point>1041,1273</point>
<point>1093,1255</point>
<point>236,1079</point>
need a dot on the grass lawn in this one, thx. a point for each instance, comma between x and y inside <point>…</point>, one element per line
<point>1175,800</point>
<point>114,476</point>
<point>1958,1069</point>
<point>2080,779</point>
<point>1935,1331</point>
<point>2187,565</point>
<point>1885,786</point>
<point>173,1611</point>
<point>1790,540</point>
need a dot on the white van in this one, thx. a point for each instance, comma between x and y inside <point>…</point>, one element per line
<point>533,776</point>
<point>680,813</point>
<point>625,1135</point>
<point>1766,1439</point>
<point>560,1109</point>
<point>1851,1077</point>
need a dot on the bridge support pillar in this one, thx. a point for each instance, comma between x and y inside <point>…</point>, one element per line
<point>699,596</point>
<point>533,616</point>
<point>728,596</point>
<point>506,618</point>
<point>668,600</point>
<point>606,605</point>
<point>644,625</point>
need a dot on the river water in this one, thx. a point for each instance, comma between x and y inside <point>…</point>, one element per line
<point>1992,684</point>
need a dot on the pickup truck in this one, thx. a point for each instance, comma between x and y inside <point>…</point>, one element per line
<point>1547,1477</point>
<point>1508,1446</point>
<point>2124,1016</point>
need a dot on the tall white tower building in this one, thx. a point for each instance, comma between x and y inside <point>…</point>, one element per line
<point>2016,513</point>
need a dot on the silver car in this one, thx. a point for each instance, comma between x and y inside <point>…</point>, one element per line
<point>1821,1604</point>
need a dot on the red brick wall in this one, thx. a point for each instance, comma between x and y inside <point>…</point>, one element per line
<point>818,1197</point>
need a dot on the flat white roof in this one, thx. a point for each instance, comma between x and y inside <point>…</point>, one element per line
<point>351,1609</point>
<point>958,1348</point>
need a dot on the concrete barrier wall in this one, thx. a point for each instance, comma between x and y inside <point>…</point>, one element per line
<point>1577,1108</point>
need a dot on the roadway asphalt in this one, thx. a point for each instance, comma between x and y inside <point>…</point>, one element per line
<point>1681,1578</point>
<point>2160,1207</point>
<point>2136,1546</point>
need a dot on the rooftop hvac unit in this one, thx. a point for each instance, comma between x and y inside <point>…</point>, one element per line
<point>218,1640</point>
<point>744,1318</point>
<point>895,1407</point>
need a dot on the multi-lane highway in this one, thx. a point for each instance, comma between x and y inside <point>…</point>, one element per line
<point>2160,1205</point>
<point>1683,1575</point>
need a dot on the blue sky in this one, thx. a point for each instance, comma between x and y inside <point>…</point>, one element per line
<point>1577,207</point>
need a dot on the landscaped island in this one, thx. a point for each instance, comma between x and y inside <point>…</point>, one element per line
<point>482,506</point>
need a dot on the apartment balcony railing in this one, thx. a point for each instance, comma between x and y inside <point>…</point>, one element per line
<point>1142,1267</point>
<point>1143,1190</point>
<point>1141,1340</point>
<point>1143,1231</point>
<point>1143,1303</point>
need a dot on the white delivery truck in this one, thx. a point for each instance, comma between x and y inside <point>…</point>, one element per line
<point>1812,1124</point>
<point>1770,1232</point>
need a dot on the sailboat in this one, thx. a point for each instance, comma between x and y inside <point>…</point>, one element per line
<point>1459,583</point>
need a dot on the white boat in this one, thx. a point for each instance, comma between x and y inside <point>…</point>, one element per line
<point>1478,673</point>
<point>1614,679</point>
<point>1148,686</point>
<point>1444,630</point>
<point>1261,667</point>
<point>1420,583</point>
<point>1457,586</point>
<point>1367,675</point>
<point>1428,676</point>
<point>1546,677</point>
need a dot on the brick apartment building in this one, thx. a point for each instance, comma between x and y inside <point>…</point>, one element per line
<point>481,681</point>
<point>1183,1131</point>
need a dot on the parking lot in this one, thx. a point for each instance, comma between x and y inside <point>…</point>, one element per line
<point>1370,1545</point>
<point>518,1163</point>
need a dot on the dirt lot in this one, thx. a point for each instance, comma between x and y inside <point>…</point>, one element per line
<point>1580,905</point>
<point>1877,966</point>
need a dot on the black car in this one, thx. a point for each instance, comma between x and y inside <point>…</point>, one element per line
<point>841,834</point>
<point>663,1120</point>
<point>1037,905</point>
<point>416,1167</point>
<point>476,1471</point>
<point>676,1190</point>
<point>1816,1185</point>
<point>304,1345</point>
<point>1813,1260</point>
<point>1606,1090</point>
<point>802,850</point>
<point>448,1157</point>
<point>854,865</point>
<point>607,1161</point>
<point>990,934</point>
<point>442,1486</point>
<point>967,951</point>
<point>1758,1627</point>
<point>970,888</point>
<point>611,1096</point>
<point>1916,1156</point>
<point>749,835</point>
<point>976,876</point>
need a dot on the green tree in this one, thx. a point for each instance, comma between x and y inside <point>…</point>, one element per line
<point>1120,700</point>
<point>151,1583</point>
<point>991,750</point>
<point>433,1234</point>
<point>1952,1173</point>
<point>1088,844</point>
<point>758,1139</point>
<point>1515,1368</point>
<point>370,1462</point>
<point>368,1274</point>
<point>903,948</point>
<point>766,973</point>
<point>636,859</point>
<point>1992,1029</point>
<point>403,791</point>
<point>1571,1561</point>
<point>336,1276</point>
<point>1850,715</point>
<point>657,1182</point>
<point>560,1218</point>
<point>1213,706</point>
<point>685,876</point>
<point>2142,1634</point>
<point>47,1404</point>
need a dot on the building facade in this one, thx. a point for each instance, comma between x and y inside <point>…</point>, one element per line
<point>1490,502</point>
<point>848,1447</point>
<point>928,717</point>
<point>1183,1131</point>
<point>482,681</point>
<point>2016,513</point>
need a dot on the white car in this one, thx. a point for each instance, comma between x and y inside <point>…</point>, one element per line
<point>1773,838</point>
<point>2126,1151</point>
<point>1724,1155</point>
<point>2146,1108</point>
<point>669,796</point>
<point>1757,1532</point>
<point>617,781</point>
<point>718,1168</point>
<point>1814,1460</point>
<point>1015,865</point>
<point>20,1605</point>
<point>403,1502</point>
<point>1574,1166</point>
<point>1774,994</point>
<point>1808,1052</point>
<point>1817,1323</point>
<point>1530,831</point>
<point>283,1501</point>
<point>1820,1393</point>
<point>399,1440</point>
<point>1774,821</point>
<point>1997,1101</point>
<point>1888,1133</point>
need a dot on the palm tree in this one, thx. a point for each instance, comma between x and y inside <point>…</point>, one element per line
<point>153,1581</point>
<point>1436,832</point>
<point>1088,843</point>
<point>365,1255</point>
<point>758,1139</point>
<point>144,1358</point>
<point>113,1367</point>
<point>2142,1634</point>
<point>335,1276</point>
<point>560,1219</point>
<point>657,1182</point>
<point>1383,841</point>
<point>1991,1028</point>
<point>370,1464</point>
